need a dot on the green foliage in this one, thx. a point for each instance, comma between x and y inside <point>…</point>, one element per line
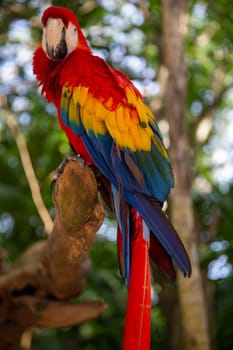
<point>223,308</point>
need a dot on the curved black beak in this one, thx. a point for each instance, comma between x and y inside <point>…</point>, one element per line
<point>54,39</point>
<point>59,51</point>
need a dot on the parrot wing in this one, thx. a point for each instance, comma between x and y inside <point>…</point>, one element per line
<point>109,109</point>
<point>120,134</point>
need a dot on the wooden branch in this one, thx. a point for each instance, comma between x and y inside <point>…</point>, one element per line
<point>29,171</point>
<point>79,216</point>
<point>35,291</point>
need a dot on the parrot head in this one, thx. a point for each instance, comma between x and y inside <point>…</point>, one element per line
<point>61,33</point>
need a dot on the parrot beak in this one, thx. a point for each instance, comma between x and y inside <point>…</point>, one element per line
<point>54,39</point>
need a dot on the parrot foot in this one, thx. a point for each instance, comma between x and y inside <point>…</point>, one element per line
<point>61,167</point>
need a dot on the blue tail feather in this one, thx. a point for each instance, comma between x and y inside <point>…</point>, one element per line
<point>159,224</point>
<point>113,166</point>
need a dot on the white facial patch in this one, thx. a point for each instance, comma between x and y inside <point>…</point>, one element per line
<point>71,37</point>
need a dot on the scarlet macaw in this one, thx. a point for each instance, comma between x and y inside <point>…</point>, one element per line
<point>110,127</point>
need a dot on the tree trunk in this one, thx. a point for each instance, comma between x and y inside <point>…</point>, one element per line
<point>191,293</point>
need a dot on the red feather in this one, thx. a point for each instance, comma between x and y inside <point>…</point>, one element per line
<point>138,312</point>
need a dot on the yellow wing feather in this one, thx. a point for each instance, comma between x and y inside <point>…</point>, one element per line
<point>112,120</point>
<point>127,123</point>
<point>73,112</point>
<point>76,93</point>
<point>99,128</point>
<point>83,96</point>
<point>90,104</point>
<point>86,119</point>
<point>122,119</point>
<point>65,99</point>
<point>100,111</point>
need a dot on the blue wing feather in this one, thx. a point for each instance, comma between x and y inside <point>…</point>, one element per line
<point>112,165</point>
<point>138,176</point>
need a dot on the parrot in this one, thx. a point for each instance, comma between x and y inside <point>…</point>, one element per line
<point>110,127</point>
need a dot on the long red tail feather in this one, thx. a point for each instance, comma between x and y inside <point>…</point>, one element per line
<point>138,312</point>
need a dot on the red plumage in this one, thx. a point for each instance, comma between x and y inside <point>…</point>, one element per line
<point>138,313</point>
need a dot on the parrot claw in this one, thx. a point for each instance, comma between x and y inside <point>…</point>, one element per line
<point>61,167</point>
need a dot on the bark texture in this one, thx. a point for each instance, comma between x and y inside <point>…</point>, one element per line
<point>191,292</point>
<point>35,291</point>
